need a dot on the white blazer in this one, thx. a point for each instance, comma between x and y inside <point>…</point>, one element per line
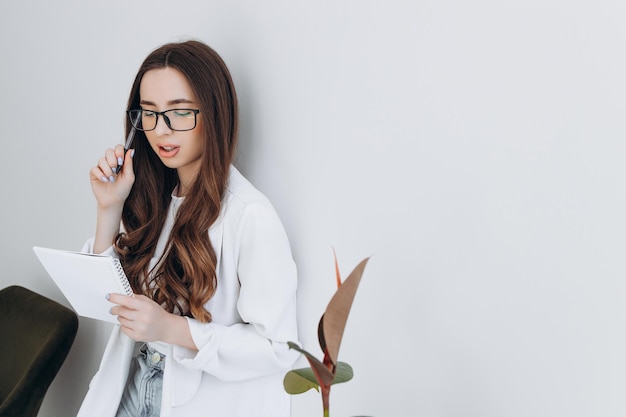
<point>243,353</point>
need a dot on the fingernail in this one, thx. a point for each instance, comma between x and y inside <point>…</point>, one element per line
<point>120,161</point>
<point>107,296</point>
<point>112,178</point>
<point>104,179</point>
<point>132,153</point>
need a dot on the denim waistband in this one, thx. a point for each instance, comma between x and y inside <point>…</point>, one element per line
<point>152,357</point>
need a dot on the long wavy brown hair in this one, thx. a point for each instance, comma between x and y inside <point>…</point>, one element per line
<point>185,278</point>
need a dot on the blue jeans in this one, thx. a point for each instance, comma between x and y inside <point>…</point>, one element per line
<point>142,395</point>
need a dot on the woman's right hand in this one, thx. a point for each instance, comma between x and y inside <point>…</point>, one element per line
<point>110,188</point>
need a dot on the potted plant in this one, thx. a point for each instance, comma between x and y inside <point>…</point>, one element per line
<point>321,375</point>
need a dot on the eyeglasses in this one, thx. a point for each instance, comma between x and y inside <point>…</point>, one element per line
<point>176,119</point>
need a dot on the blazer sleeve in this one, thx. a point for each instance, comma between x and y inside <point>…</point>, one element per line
<point>265,269</point>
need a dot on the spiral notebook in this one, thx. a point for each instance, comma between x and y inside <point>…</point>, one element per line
<point>85,280</point>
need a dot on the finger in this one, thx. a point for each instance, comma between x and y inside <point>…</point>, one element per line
<point>105,167</point>
<point>119,150</point>
<point>108,163</point>
<point>96,174</point>
<point>126,324</point>
<point>119,155</point>
<point>129,332</point>
<point>124,315</point>
<point>114,311</point>
<point>111,159</point>
<point>128,162</point>
<point>121,299</point>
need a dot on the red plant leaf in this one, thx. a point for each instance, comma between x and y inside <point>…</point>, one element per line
<point>333,322</point>
<point>337,269</point>
<point>322,373</point>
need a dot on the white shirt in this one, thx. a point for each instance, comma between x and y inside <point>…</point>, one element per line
<point>243,353</point>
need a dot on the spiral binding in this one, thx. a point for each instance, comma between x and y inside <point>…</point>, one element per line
<point>122,278</point>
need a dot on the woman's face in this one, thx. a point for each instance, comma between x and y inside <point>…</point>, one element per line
<point>167,89</point>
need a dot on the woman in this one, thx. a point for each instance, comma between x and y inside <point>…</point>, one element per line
<point>205,252</point>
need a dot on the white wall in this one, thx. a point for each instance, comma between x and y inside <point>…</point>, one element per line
<point>475,149</point>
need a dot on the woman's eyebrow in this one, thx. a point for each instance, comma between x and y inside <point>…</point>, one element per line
<point>171,102</point>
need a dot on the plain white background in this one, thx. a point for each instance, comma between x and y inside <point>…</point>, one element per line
<point>474,149</point>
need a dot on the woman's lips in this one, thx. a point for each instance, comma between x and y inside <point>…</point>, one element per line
<point>168,151</point>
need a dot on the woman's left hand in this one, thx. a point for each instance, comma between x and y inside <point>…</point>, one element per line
<point>141,318</point>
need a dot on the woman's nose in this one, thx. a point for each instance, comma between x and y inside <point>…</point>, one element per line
<point>162,127</point>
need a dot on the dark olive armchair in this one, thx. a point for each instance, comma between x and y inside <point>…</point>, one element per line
<point>36,334</point>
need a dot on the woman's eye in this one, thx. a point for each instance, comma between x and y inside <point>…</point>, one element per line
<point>182,113</point>
<point>147,113</point>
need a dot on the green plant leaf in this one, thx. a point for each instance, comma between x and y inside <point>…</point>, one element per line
<point>343,373</point>
<point>298,381</point>
<point>322,373</point>
<point>301,380</point>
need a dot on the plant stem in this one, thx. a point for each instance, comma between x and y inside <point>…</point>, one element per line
<point>325,399</point>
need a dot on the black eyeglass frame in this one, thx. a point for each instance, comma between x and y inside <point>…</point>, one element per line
<point>160,113</point>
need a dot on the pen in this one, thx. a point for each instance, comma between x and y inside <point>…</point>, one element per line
<point>129,142</point>
<point>129,139</point>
